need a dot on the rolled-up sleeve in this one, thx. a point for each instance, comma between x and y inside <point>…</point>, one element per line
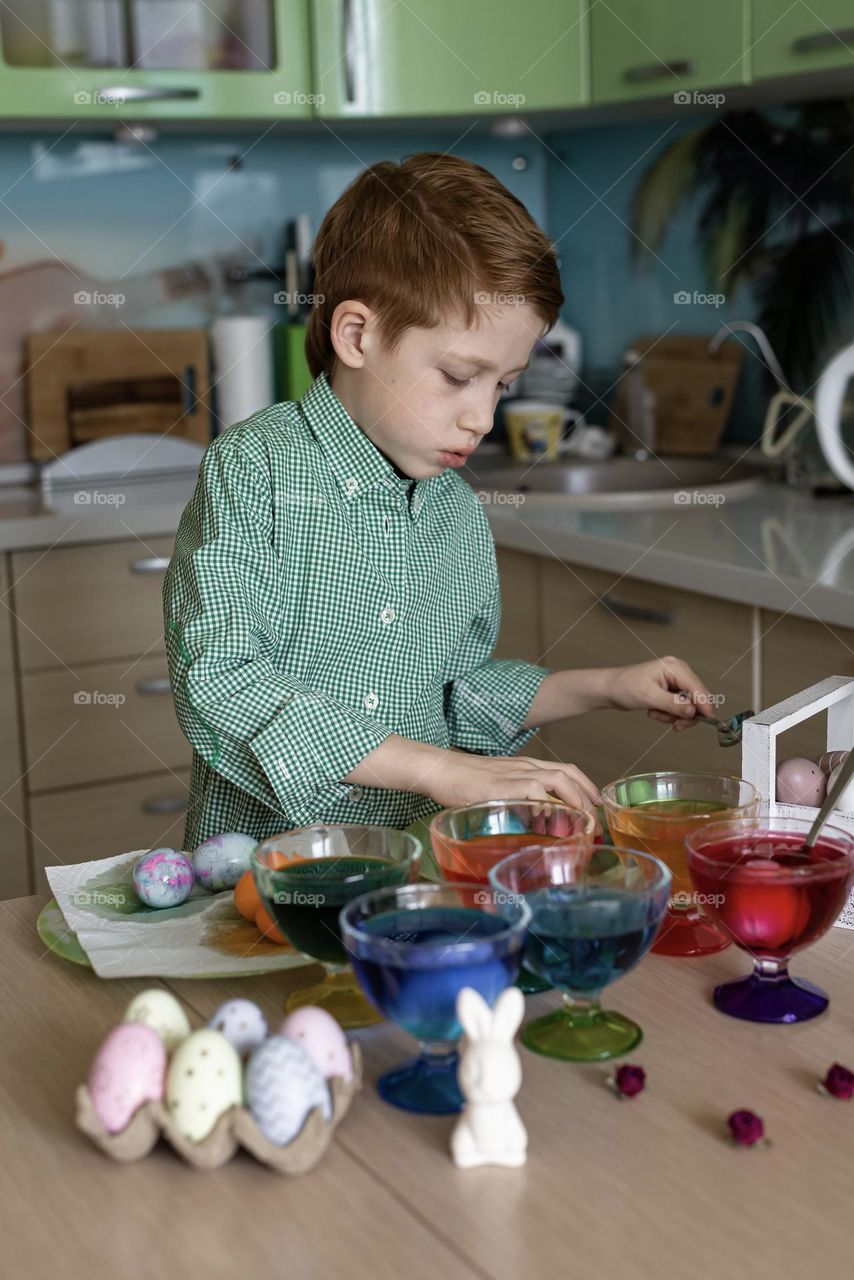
<point>487,699</point>
<point>223,597</point>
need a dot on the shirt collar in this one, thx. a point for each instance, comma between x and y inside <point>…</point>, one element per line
<point>356,463</point>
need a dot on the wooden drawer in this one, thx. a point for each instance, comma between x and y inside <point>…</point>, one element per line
<point>643,621</point>
<point>14,870</point>
<point>77,729</point>
<point>796,653</point>
<point>89,604</point>
<point>98,822</point>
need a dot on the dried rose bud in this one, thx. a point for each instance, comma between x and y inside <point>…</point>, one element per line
<point>839,1082</point>
<point>746,1128</point>
<point>629,1081</point>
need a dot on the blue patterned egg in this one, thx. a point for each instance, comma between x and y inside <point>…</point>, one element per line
<point>242,1023</point>
<point>221,860</point>
<point>283,1085</point>
<point>163,878</point>
<point>505,824</point>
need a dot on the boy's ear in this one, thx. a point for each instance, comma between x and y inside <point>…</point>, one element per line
<point>347,332</point>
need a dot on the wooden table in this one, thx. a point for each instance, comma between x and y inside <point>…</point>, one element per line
<point>612,1190</point>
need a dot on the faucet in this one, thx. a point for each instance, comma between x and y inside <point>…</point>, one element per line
<point>761,339</point>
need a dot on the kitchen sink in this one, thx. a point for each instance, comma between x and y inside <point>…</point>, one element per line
<point>617,482</point>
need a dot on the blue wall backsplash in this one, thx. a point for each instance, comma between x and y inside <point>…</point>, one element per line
<point>86,212</point>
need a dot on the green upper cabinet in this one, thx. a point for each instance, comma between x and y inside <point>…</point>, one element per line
<point>659,48</point>
<point>449,57</point>
<point>804,37</point>
<point>140,59</point>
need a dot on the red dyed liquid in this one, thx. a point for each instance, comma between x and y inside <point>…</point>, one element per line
<point>749,891</point>
<point>474,859</point>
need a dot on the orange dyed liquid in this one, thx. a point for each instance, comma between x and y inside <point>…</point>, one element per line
<point>474,859</point>
<point>660,827</point>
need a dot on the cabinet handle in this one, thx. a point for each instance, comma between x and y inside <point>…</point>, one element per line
<point>164,804</point>
<point>143,93</point>
<point>150,564</point>
<point>823,40</point>
<point>349,59</point>
<point>658,70</point>
<point>637,612</point>
<point>153,684</point>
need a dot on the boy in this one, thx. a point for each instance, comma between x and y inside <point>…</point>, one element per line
<point>332,603</point>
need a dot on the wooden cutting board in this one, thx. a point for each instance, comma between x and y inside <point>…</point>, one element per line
<point>693,393</point>
<point>86,385</point>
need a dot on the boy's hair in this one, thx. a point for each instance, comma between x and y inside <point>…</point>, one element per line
<point>425,239</point>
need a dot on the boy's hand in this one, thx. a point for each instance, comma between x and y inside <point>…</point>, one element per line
<point>652,686</point>
<point>464,779</point>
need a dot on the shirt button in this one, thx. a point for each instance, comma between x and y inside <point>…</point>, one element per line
<point>416,502</point>
<point>388,614</point>
<point>371,701</point>
<point>352,485</point>
<point>356,793</point>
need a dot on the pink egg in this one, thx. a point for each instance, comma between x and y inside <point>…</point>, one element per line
<point>322,1038</point>
<point>800,781</point>
<point>129,1069</point>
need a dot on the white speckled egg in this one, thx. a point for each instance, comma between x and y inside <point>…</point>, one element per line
<point>242,1023</point>
<point>128,1070</point>
<point>163,878</point>
<point>282,1086</point>
<point>845,802</point>
<point>800,781</point>
<point>221,860</point>
<point>158,1009</point>
<point>322,1038</point>
<point>203,1081</point>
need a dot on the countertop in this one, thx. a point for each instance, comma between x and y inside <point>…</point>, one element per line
<point>780,548</point>
<point>635,1189</point>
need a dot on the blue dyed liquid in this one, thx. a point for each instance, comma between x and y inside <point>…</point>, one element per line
<point>581,941</point>
<point>419,990</point>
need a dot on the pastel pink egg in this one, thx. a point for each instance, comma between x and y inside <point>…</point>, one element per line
<point>800,781</point>
<point>129,1069</point>
<point>322,1038</point>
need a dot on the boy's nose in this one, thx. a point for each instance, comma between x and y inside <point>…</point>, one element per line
<point>480,423</point>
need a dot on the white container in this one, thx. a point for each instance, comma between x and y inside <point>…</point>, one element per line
<point>835,695</point>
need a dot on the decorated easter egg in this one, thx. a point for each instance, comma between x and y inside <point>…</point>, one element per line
<point>322,1038</point>
<point>128,1070</point>
<point>800,781</point>
<point>203,1081</point>
<point>163,878</point>
<point>845,801</point>
<point>501,824</point>
<point>242,1023</point>
<point>158,1009</point>
<point>221,860</point>
<point>283,1085</point>
<point>767,912</point>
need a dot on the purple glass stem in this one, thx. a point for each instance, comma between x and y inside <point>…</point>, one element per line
<point>770,994</point>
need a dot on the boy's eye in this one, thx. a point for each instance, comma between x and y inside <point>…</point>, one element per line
<point>455,382</point>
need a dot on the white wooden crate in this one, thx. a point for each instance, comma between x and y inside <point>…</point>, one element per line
<point>835,695</point>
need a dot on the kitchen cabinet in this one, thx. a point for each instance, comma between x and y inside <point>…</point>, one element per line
<point>595,619</point>
<point>793,39</point>
<point>520,635</point>
<point>97,60</point>
<point>797,652</point>
<point>105,765</point>
<point>440,57</point>
<point>14,870</point>
<point>654,48</point>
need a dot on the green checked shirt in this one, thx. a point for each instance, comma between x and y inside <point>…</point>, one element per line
<point>315,603</point>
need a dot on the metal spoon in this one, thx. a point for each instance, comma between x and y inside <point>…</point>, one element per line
<point>729,731</point>
<point>844,777</point>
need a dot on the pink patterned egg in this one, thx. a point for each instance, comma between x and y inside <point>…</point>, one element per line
<point>129,1069</point>
<point>322,1038</point>
<point>800,781</point>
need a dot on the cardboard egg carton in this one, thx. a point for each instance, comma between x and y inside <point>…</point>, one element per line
<point>235,1128</point>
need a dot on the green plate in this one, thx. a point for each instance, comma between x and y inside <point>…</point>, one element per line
<point>62,941</point>
<point>57,937</point>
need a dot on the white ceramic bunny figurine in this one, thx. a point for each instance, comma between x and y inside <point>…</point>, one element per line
<point>489,1131</point>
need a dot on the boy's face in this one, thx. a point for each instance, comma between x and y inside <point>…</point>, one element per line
<point>428,404</point>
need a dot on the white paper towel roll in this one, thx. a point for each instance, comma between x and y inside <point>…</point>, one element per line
<point>242,353</point>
